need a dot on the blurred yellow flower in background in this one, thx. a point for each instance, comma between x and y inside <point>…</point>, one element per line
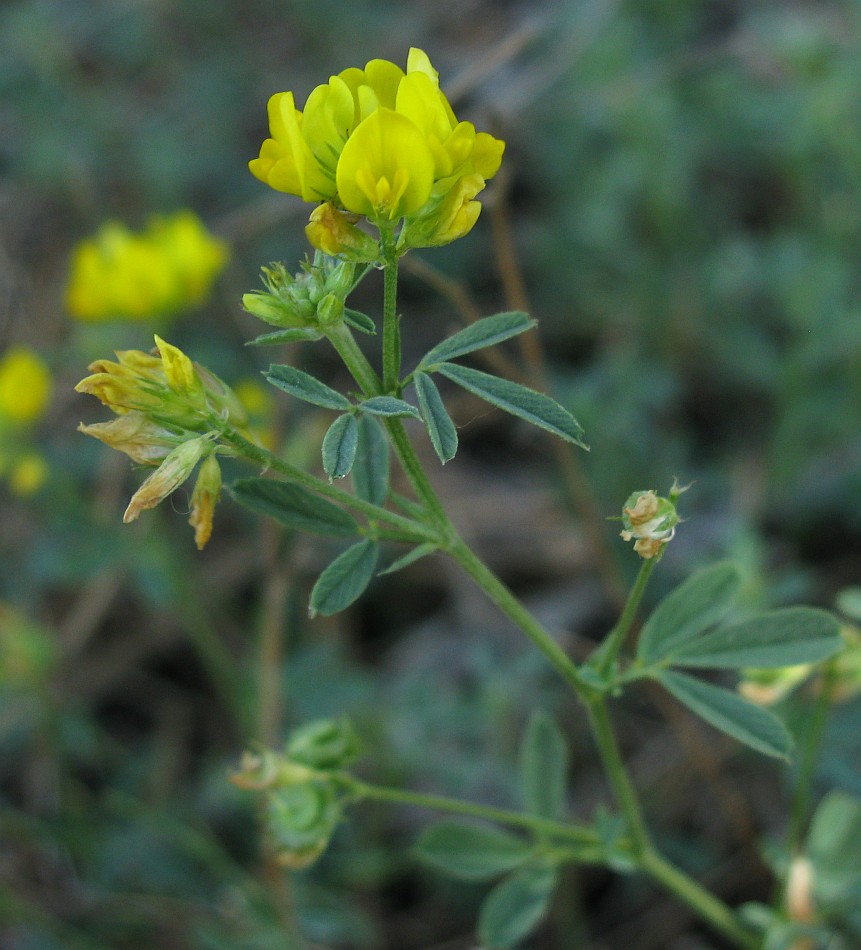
<point>382,143</point>
<point>160,272</point>
<point>25,388</point>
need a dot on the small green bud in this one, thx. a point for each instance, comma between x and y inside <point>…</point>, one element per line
<point>330,310</point>
<point>301,820</point>
<point>324,744</point>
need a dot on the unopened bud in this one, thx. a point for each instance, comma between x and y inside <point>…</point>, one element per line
<point>334,232</point>
<point>650,522</point>
<point>172,472</point>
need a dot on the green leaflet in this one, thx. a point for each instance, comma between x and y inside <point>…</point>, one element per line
<point>472,852</point>
<point>485,332</point>
<point>371,466</point>
<point>515,907</point>
<point>697,604</point>
<point>345,579</point>
<point>543,767</point>
<point>339,446</point>
<point>294,507</point>
<point>727,711</point>
<point>520,401</point>
<point>441,429</point>
<point>306,387</point>
<point>785,637</point>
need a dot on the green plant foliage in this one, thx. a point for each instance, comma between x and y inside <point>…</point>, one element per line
<point>544,767</point>
<point>345,579</point>
<point>306,387</point>
<point>700,602</point>
<point>516,906</point>
<point>441,429</point>
<point>340,444</point>
<point>388,406</point>
<point>533,407</point>
<point>360,321</point>
<point>472,852</point>
<point>294,507</point>
<point>834,849</point>
<point>280,337</point>
<point>488,331</point>
<point>371,467</point>
<point>727,711</point>
<point>786,637</point>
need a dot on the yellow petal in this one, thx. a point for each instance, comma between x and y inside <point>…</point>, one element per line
<point>178,368</point>
<point>386,168</point>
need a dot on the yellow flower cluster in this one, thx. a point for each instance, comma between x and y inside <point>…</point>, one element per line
<point>25,388</point>
<point>381,143</point>
<point>167,409</point>
<point>158,273</point>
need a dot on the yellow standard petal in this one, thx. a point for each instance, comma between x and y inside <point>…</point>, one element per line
<point>386,169</point>
<point>178,369</point>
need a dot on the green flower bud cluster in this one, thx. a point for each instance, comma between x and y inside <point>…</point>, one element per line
<point>305,796</point>
<point>313,297</point>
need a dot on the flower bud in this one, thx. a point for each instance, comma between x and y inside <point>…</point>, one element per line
<point>334,232</point>
<point>301,820</point>
<point>172,472</point>
<point>650,521</point>
<point>204,498</point>
<point>324,744</point>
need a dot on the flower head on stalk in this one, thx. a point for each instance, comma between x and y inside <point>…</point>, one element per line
<point>167,268</point>
<point>650,521</point>
<point>167,410</point>
<point>384,144</point>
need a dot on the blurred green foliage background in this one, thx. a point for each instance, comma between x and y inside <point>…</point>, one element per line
<point>680,205</point>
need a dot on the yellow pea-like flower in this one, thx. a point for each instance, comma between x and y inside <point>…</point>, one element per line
<point>386,168</point>
<point>382,143</point>
<point>167,268</point>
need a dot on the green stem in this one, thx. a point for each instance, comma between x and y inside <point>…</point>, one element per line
<point>391,328</point>
<point>510,605</point>
<point>607,654</point>
<point>617,774</point>
<point>341,337</point>
<point>709,907</point>
<point>545,827</point>
<point>268,460</point>
<point>808,757</point>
